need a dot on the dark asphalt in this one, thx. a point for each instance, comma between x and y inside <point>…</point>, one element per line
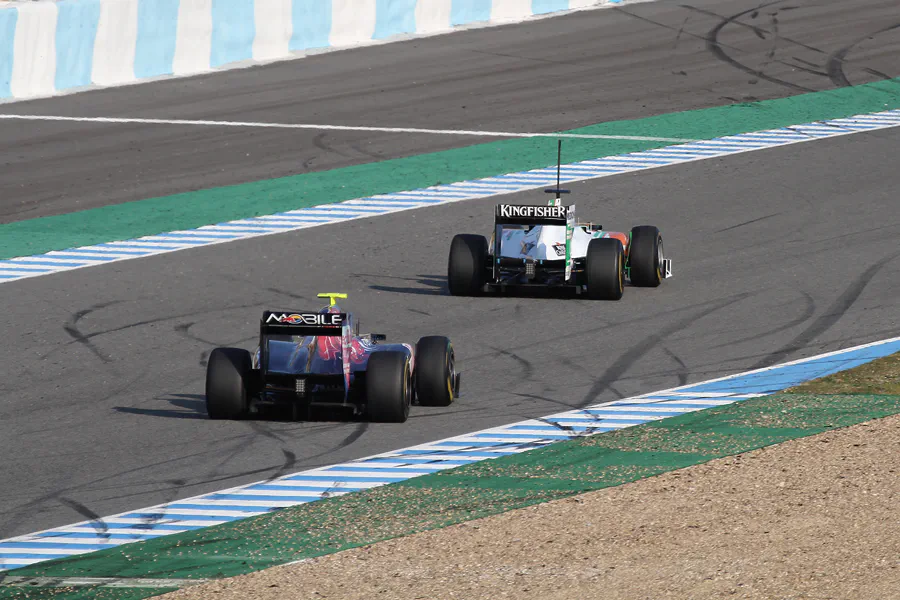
<point>589,67</point>
<point>778,254</point>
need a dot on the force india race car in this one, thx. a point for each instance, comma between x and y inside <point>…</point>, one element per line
<point>544,246</point>
<point>306,359</point>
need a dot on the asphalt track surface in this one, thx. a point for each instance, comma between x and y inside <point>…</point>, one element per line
<point>629,62</point>
<point>778,254</point>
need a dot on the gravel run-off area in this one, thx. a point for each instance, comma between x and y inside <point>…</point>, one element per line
<point>814,517</point>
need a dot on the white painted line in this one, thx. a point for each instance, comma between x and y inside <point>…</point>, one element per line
<point>322,127</point>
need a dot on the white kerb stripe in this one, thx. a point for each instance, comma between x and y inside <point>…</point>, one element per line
<point>34,48</point>
<point>352,21</point>
<point>274,27</point>
<point>115,43</point>
<point>433,16</point>
<point>510,10</point>
<point>193,37</point>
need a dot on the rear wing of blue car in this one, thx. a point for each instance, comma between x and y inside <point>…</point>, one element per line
<point>302,323</point>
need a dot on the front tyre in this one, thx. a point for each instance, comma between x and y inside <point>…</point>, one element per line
<point>467,264</point>
<point>605,269</point>
<point>435,371</point>
<point>388,387</point>
<point>227,375</point>
<point>645,256</point>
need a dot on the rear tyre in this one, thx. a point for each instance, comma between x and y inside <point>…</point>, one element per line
<point>388,387</point>
<point>227,375</point>
<point>467,264</point>
<point>645,256</point>
<point>435,371</point>
<point>605,269</point>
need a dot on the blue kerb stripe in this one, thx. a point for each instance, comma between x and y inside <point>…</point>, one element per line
<point>143,527</point>
<point>312,24</point>
<point>469,11</point>
<point>233,30</point>
<point>8,18</point>
<point>474,444</point>
<point>573,428</point>
<point>342,478</point>
<point>539,7</point>
<point>437,453</point>
<point>10,276</point>
<point>411,471</point>
<point>175,516</point>
<point>137,535</point>
<point>136,244</point>
<point>420,461</point>
<point>536,438</point>
<point>248,509</point>
<point>51,546</point>
<point>393,17</point>
<point>76,30</point>
<point>155,46</point>
<point>102,252</point>
<point>245,497</point>
<point>318,489</point>
<point>48,263</point>
<point>78,255</point>
<point>203,233</point>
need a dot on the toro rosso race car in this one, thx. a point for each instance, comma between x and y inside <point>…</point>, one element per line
<point>305,359</point>
<point>545,246</point>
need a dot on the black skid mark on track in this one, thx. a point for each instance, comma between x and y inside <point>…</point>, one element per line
<point>683,368</point>
<point>606,380</point>
<point>71,327</point>
<point>750,222</point>
<point>836,61</point>
<point>832,315</point>
<point>809,309</point>
<point>96,521</point>
<point>183,329</point>
<point>717,49</point>
<point>527,367</point>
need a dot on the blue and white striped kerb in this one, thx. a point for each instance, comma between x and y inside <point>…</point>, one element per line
<point>101,254</point>
<point>374,471</point>
<point>49,47</point>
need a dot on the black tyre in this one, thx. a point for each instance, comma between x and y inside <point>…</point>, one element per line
<point>605,269</point>
<point>388,387</point>
<point>645,257</point>
<point>468,264</point>
<point>435,371</point>
<point>227,375</point>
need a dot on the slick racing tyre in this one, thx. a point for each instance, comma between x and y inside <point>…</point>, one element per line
<point>645,256</point>
<point>435,371</point>
<point>467,265</point>
<point>388,387</point>
<point>605,269</point>
<point>227,375</point>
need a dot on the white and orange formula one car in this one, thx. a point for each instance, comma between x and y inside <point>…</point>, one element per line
<point>544,246</point>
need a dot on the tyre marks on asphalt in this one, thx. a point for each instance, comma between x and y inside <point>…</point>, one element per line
<point>328,481</point>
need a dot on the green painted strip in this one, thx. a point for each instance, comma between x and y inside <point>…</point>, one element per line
<point>453,496</point>
<point>204,207</point>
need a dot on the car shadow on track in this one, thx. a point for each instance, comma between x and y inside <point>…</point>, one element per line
<point>183,406</point>
<point>435,285</point>
<point>193,406</point>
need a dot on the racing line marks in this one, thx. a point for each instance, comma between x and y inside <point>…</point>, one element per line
<point>359,208</point>
<point>398,465</point>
